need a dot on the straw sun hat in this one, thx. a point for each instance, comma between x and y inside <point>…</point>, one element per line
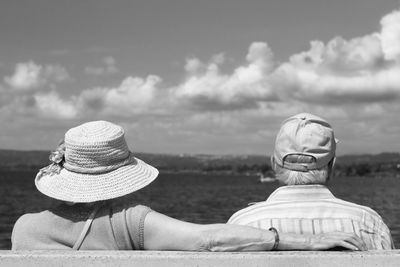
<point>94,163</point>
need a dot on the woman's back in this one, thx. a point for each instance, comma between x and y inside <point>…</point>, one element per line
<point>115,227</point>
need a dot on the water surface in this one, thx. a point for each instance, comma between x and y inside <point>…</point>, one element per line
<point>201,198</point>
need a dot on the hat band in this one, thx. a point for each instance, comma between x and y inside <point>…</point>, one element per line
<point>100,169</point>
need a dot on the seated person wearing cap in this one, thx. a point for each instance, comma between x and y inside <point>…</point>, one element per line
<point>303,162</point>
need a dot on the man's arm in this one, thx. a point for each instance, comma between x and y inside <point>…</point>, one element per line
<point>386,237</point>
<point>165,233</point>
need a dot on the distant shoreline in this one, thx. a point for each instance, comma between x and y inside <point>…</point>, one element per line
<point>379,165</point>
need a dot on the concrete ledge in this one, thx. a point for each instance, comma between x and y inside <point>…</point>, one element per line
<point>172,258</point>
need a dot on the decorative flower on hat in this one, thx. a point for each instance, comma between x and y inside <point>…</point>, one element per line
<point>58,155</point>
<point>57,159</point>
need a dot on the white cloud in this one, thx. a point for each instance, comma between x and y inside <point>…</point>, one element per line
<point>55,73</point>
<point>26,76</point>
<point>363,69</point>
<point>134,95</point>
<point>193,65</point>
<point>30,75</point>
<point>390,35</point>
<point>359,70</point>
<point>205,85</point>
<point>321,87</point>
<point>108,67</point>
<point>50,105</point>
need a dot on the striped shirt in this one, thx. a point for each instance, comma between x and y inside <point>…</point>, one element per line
<point>313,209</point>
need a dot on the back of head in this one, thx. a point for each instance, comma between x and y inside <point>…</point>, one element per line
<point>304,148</point>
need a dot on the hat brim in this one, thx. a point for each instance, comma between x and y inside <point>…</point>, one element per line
<point>83,188</point>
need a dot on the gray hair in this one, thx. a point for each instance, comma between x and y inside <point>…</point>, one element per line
<point>290,177</point>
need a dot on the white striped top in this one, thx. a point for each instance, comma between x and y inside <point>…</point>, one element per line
<point>313,209</point>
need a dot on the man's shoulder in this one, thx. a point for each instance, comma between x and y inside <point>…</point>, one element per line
<point>244,213</point>
<point>265,210</point>
<point>351,205</point>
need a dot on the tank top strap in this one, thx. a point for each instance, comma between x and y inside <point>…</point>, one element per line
<point>86,227</point>
<point>128,226</point>
<point>120,228</point>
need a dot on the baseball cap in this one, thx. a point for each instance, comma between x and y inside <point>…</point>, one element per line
<point>305,134</point>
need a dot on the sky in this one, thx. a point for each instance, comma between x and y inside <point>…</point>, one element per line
<point>212,77</point>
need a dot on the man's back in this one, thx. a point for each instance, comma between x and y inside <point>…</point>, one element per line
<point>313,209</point>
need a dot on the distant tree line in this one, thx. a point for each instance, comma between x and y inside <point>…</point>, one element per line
<point>354,169</point>
<point>239,168</point>
<point>384,164</point>
<point>367,169</point>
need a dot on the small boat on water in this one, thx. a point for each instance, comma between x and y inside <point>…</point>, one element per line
<point>266,179</point>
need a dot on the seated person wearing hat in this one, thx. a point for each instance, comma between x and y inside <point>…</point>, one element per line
<point>92,169</point>
<point>303,162</point>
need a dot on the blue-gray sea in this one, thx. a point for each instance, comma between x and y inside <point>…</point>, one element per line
<point>202,198</point>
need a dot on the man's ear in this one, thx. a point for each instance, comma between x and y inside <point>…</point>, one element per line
<point>331,168</point>
<point>334,163</point>
<point>272,163</point>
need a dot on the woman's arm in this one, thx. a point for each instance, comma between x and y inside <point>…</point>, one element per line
<point>165,233</point>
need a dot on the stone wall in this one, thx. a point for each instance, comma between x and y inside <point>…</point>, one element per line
<point>187,259</point>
